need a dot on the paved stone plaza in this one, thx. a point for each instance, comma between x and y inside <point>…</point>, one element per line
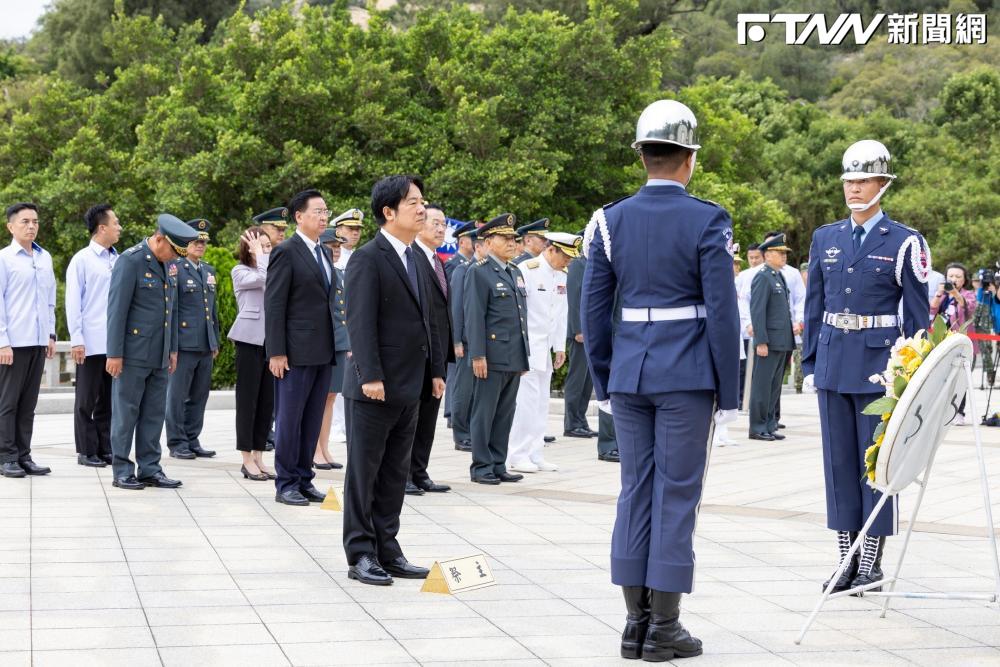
<point>217,573</point>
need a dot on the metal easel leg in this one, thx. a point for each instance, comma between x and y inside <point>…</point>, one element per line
<point>909,533</point>
<point>984,480</point>
<point>843,566</point>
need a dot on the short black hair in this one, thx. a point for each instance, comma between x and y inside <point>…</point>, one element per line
<point>432,207</point>
<point>753,246</point>
<point>14,209</point>
<point>665,156</point>
<point>960,267</point>
<point>300,201</point>
<point>96,215</point>
<point>389,191</point>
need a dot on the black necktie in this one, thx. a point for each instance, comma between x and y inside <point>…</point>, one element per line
<point>858,231</point>
<point>411,272</point>
<point>322,267</point>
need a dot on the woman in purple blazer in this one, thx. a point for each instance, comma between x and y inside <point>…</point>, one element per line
<point>254,384</point>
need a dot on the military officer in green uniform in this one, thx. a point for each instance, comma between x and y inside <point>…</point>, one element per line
<point>142,350</point>
<point>773,339</point>
<point>198,345</point>
<point>532,235</point>
<point>496,331</point>
<point>274,223</point>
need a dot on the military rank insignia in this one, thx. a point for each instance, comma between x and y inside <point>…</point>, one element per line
<point>211,279</point>
<point>172,271</point>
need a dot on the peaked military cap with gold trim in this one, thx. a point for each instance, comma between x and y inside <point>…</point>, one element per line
<point>329,235</point>
<point>177,233</point>
<point>538,228</point>
<point>568,243</point>
<point>776,242</point>
<point>352,217</point>
<point>502,225</point>
<point>275,216</point>
<point>201,226</point>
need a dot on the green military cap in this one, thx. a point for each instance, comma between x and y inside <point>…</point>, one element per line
<point>352,217</point>
<point>568,243</point>
<point>804,266</point>
<point>177,233</point>
<point>538,227</point>
<point>502,225</point>
<point>467,229</point>
<point>201,226</point>
<point>275,216</point>
<point>329,235</point>
<point>774,243</point>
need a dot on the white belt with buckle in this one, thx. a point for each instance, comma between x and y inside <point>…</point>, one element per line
<point>857,322</point>
<point>663,314</point>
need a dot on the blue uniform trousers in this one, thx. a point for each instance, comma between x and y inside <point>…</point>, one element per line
<point>187,395</point>
<point>449,397</point>
<point>846,435</point>
<point>299,400</point>
<point>663,441</point>
<point>138,403</point>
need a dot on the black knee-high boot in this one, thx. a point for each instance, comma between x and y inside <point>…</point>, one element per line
<point>666,638</point>
<point>870,568</point>
<point>844,541</point>
<point>637,604</point>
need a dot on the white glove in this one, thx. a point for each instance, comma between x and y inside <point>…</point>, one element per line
<point>724,417</point>
<point>604,406</point>
<point>807,384</point>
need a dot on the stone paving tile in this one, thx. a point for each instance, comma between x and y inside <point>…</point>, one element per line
<point>103,657</point>
<point>241,655</point>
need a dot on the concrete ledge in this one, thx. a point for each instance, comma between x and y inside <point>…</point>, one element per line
<point>61,402</point>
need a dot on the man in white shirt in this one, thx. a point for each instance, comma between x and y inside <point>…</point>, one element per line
<point>547,304</point>
<point>27,337</point>
<point>348,225</point>
<point>88,281</point>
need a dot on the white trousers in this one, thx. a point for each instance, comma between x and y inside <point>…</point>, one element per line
<point>337,428</point>
<point>527,433</point>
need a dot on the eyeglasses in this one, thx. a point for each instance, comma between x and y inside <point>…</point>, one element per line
<point>321,212</point>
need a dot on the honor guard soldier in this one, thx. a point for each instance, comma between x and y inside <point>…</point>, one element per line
<point>274,223</point>
<point>667,365</point>
<point>198,345</point>
<point>348,227</point>
<point>860,269</point>
<point>142,350</point>
<point>532,237</point>
<point>773,339</point>
<point>496,329</point>
<point>459,387</point>
<point>545,283</point>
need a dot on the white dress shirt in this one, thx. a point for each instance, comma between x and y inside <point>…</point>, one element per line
<point>431,254</point>
<point>88,281</point>
<point>345,254</point>
<point>397,245</point>
<point>796,294</point>
<point>27,296</point>
<point>312,251</point>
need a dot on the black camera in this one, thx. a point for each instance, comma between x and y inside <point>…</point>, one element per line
<point>987,277</point>
<point>948,286</point>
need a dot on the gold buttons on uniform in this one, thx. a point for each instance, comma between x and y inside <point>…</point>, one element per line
<point>135,331</point>
<point>184,324</point>
<point>493,336</point>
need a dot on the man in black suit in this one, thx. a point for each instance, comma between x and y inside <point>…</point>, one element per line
<point>395,360</point>
<point>298,321</point>
<point>431,237</point>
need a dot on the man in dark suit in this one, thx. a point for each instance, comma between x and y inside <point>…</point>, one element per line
<point>396,360</point>
<point>299,323</point>
<point>431,237</point>
<point>773,339</point>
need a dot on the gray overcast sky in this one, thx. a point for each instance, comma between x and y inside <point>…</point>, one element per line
<point>17,17</point>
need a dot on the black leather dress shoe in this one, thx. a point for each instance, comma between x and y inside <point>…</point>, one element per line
<point>269,446</point>
<point>762,436</point>
<point>312,494</point>
<point>413,490</point>
<point>579,433</point>
<point>182,454</point>
<point>509,477</point>
<point>368,571</point>
<point>549,438</point>
<point>107,458</point>
<point>90,461</point>
<point>780,425</point>
<point>464,446</point>
<point>322,466</point>
<point>161,481</point>
<point>32,468</point>
<point>292,497</point>
<point>12,469</point>
<point>404,569</point>
<point>431,487</point>
<point>129,483</point>
<point>488,478</point>
<point>201,452</point>
<point>777,436</point>
<point>611,456</point>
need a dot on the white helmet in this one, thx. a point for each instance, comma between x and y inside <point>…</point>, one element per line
<point>667,122</point>
<point>866,159</point>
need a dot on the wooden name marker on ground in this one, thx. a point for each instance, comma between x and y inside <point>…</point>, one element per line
<point>459,575</point>
<point>332,501</point>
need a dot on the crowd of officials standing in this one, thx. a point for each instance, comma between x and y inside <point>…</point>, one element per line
<point>386,330</point>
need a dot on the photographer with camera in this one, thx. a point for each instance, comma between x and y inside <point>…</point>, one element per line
<point>956,303</point>
<point>987,319</point>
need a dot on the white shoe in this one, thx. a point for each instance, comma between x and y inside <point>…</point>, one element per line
<point>523,466</point>
<point>959,420</point>
<point>545,466</point>
<point>723,442</point>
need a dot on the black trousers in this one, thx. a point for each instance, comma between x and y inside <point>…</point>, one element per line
<point>607,440</point>
<point>745,342</point>
<point>379,438</point>
<point>254,397</point>
<point>92,407</point>
<point>299,399</point>
<point>423,438</point>
<point>19,383</point>
<point>577,388</point>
